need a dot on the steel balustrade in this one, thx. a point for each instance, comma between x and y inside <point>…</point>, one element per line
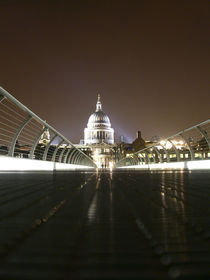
<point>62,153</point>
<point>21,131</point>
<point>196,146</point>
<point>14,140</point>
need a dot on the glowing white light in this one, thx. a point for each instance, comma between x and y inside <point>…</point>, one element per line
<point>20,164</point>
<point>63,166</point>
<point>110,165</point>
<point>190,165</point>
<point>96,153</point>
<point>198,164</point>
<point>168,145</point>
<point>162,142</point>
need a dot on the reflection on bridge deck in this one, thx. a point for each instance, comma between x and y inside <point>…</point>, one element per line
<point>120,225</point>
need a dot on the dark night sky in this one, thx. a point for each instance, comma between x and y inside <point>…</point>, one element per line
<point>149,60</point>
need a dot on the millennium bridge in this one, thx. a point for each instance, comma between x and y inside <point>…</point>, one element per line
<point>62,218</point>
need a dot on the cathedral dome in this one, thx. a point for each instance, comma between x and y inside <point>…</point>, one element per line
<point>99,119</point>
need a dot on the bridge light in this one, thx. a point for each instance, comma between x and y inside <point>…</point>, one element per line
<point>111,165</point>
<point>168,145</point>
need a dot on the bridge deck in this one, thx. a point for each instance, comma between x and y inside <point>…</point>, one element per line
<point>105,225</point>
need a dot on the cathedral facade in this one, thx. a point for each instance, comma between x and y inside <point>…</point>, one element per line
<point>99,137</point>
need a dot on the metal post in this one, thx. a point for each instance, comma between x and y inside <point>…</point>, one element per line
<point>140,159</point>
<point>148,159</point>
<point>66,155</point>
<point>47,147</point>
<point>175,149</point>
<point>128,160</point>
<point>159,155</point>
<point>189,146</point>
<point>61,154</point>
<point>55,152</point>
<point>77,160</point>
<point>205,135</point>
<point>135,158</point>
<point>151,152</point>
<point>35,143</point>
<point>166,152</point>
<point>1,98</point>
<point>68,160</point>
<point>144,159</point>
<point>14,140</point>
<point>74,157</point>
<point>71,157</point>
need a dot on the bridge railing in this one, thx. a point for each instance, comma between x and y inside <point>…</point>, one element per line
<point>188,145</point>
<point>22,135</point>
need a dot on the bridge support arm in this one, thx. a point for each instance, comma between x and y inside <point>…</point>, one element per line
<point>74,157</point>
<point>205,135</point>
<point>35,143</point>
<point>158,153</point>
<point>1,98</point>
<point>166,152</point>
<point>62,153</point>
<point>189,146</point>
<point>147,157</point>
<point>48,146</point>
<point>66,155</point>
<point>77,160</point>
<point>139,159</point>
<point>70,160</point>
<point>14,140</point>
<point>175,149</point>
<point>55,152</point>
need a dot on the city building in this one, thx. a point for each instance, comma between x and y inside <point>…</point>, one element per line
<point>138,143</point>
<point>99,137</point>
<point>99,127</point>
<point>45,138</point>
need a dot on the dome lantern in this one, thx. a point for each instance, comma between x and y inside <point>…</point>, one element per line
<point>98,104</point>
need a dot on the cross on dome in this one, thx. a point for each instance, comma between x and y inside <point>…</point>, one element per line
<point>98,104</point>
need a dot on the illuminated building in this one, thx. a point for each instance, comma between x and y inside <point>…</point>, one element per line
<point>45,138</point>
<point>99,137</point>
<point>124,149</point>
<point>99,127</point>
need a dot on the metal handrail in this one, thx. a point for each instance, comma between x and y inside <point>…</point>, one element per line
<point>4,95</point>
<point>198,130</point>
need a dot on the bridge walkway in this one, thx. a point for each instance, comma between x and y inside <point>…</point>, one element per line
<point>83,225</point>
